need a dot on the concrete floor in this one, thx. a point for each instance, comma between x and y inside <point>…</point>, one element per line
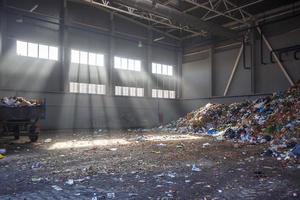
<point>120,165</point>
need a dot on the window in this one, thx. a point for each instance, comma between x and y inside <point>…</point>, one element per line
<point>32,50</point>
<point>87,58</point>
<point>100,60</point>
<point>172,94</point>
<point>132,91</point>
<point>36,50</point>
<point>158,69</point>
<point>21,48</point>
<point>154,93</point>
<point>73,87</point>
<point>154,68</point>
<point>118,90</point>
<point>74,56</point>
<point>117,62</point>
<point>53,53</point>
<point>137,65</point>
<point>124,63</point>
<point>92,89</point>
<point>127,64</point>
<point>140,92</point>
<point>166,94</point>
<point>100,89</point>
<point>92,59</point>
<point>131,65</point>
<point>83,57</point>
<point>125,91</point>
<point>170,70</point>
<point>159,94</point>
<point>129,91</point>
<point>165,69</point>
<point>43,51</point>
<point>162,69</point>
<point>86,88</point>
<point>83,88</point>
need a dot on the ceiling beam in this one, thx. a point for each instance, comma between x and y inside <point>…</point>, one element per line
<point>234,9</point>
<point>194,2</point>
<point>103,6</point>
<point>180,17</point>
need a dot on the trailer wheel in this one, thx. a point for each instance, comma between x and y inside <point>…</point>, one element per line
<point>34,138</point>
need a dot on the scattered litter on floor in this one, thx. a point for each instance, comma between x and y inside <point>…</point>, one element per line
<point>36,179</point>
<point>110,195</point>
<point>48,140</point>
<point>205,145</point>
<point>2,156</point>
<point>70,182</point>
<point>195,168</point>
<point>56,187</point>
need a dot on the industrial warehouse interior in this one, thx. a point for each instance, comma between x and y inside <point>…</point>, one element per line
<point>149,99</point>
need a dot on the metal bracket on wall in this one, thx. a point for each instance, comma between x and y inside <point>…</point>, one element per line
<point>280,51</point>
<point>244,56</point>
<point>295,55</point>
<point>276,57</point>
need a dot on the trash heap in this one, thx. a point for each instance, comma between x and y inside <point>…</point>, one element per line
<point>17,102</point>
<point>274,119</point>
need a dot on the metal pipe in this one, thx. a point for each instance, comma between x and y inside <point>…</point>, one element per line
<point>276,58</point>
<point>234,69</point>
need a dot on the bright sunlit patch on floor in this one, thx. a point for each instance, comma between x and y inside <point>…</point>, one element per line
<point>87,143</point>
<point>171,137</point>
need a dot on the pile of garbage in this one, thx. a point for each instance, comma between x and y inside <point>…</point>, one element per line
<point>17,101</point>
<point>274,119</point>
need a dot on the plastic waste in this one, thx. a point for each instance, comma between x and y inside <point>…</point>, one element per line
<point>2,151</point>
<point>212,131</point>
<point>48,140</point>
<point>110,195</point>
<point>56,187</point>
<point>195,168</point>
<point>296,150</point>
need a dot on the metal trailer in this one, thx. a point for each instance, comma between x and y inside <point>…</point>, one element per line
<point>21,120</point>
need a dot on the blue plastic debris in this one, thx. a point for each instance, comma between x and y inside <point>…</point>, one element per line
<point>296,150</point>
<point>212,131</point>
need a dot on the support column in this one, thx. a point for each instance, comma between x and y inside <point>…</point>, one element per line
<point>3,38</point>
<point>253,61</point>
<point>148,71</point>
<point>3,27</point>
<point>64,46</point>
<point>109,68</point>
<point>210,61</point>
<point>179,72</point>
